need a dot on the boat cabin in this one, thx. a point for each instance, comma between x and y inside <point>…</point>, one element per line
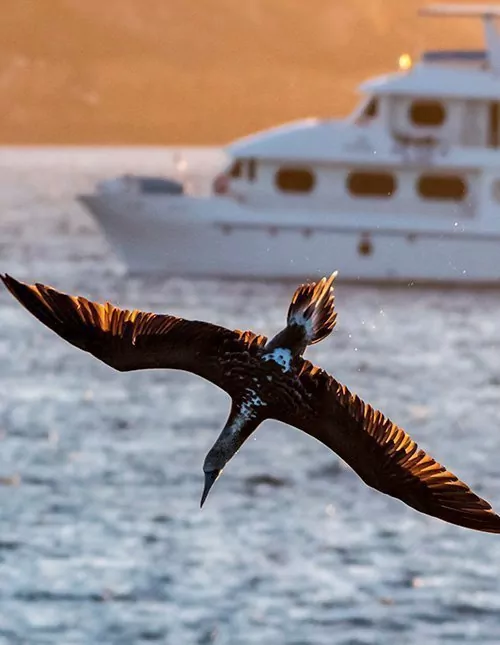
<point>419,142</point>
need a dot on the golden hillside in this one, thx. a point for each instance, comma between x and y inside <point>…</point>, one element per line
<point>195,71</point>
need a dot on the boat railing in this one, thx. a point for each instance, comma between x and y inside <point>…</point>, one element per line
<point>426,141</point>
<point>489,14</point>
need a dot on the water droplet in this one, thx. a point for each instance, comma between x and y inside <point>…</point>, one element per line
<point>330,510</point>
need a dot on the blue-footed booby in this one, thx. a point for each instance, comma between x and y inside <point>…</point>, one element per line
<point>266,379</point>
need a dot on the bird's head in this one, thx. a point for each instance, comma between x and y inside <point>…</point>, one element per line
<point>218,456</point>
<point>211,476</point>
<point>241,423</point>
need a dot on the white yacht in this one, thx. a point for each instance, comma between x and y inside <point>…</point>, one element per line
<point>405,189</point>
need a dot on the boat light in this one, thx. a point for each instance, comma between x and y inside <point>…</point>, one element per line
<point>404,62</point>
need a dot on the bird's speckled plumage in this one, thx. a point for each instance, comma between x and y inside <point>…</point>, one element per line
<point>267,379</point>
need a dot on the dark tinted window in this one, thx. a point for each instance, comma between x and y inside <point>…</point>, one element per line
<point>427,113</point>
<point>371,184</point>
<point>160,185</point>
<point>371,110</point>
<point>236,169</point>
<point>447,187</point>
<point>252,169</point>
<point>295,180</point>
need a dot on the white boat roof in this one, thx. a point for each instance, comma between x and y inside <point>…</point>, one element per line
<point>461,10</point>
<point>464,74</point>
<point>304,139</point>
<point>428,79</point>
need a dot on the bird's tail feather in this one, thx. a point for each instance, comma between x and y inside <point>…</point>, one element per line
<point>312,308</point>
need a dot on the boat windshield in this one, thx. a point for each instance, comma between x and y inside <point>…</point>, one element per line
<point>235,170</point>
<point>368,111</point>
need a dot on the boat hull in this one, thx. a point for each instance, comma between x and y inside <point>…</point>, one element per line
<point>184,236</point>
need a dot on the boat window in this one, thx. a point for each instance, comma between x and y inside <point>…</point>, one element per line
<point>252,169</point>
<point>371,109</point>
<point>159,185</point>
<point>371,184</point>
<point>494,125</point>
<point>236,170</point>
<point>295,180</point>
<point>446,187</point>
<point>427,113</point>
<point>368,112</point>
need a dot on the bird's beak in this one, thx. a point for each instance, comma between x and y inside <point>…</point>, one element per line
<point>211,477</point>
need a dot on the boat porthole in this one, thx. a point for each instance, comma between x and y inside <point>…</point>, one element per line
<point>365,246</point>
<point>307,232</point>
<point>411,237</point>
<point>273,230</point>
<point>226,229</point>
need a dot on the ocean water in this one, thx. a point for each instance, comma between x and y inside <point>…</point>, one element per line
<point>102,540</point>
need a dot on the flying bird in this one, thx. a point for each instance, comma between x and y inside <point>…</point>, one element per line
<point>266,379</point>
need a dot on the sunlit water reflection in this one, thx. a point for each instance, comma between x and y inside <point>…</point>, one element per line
<point>102,538</point>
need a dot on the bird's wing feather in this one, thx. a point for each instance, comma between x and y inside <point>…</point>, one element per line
<point>131,339</point>
<point>383,454</point>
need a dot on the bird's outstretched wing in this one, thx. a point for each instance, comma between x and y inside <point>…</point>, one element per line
<point>382,454</point>
<point>133,340</point>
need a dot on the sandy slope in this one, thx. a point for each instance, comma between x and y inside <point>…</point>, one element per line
<point>195,71</point>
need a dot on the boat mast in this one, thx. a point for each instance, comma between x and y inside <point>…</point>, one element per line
<point>488,14</point>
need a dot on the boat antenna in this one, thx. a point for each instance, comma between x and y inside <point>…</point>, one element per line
<point>488,14</point>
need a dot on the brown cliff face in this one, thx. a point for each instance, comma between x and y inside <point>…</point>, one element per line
<point>201,72</point>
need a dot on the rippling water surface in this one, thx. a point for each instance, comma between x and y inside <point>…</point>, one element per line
<point>102,540</point>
